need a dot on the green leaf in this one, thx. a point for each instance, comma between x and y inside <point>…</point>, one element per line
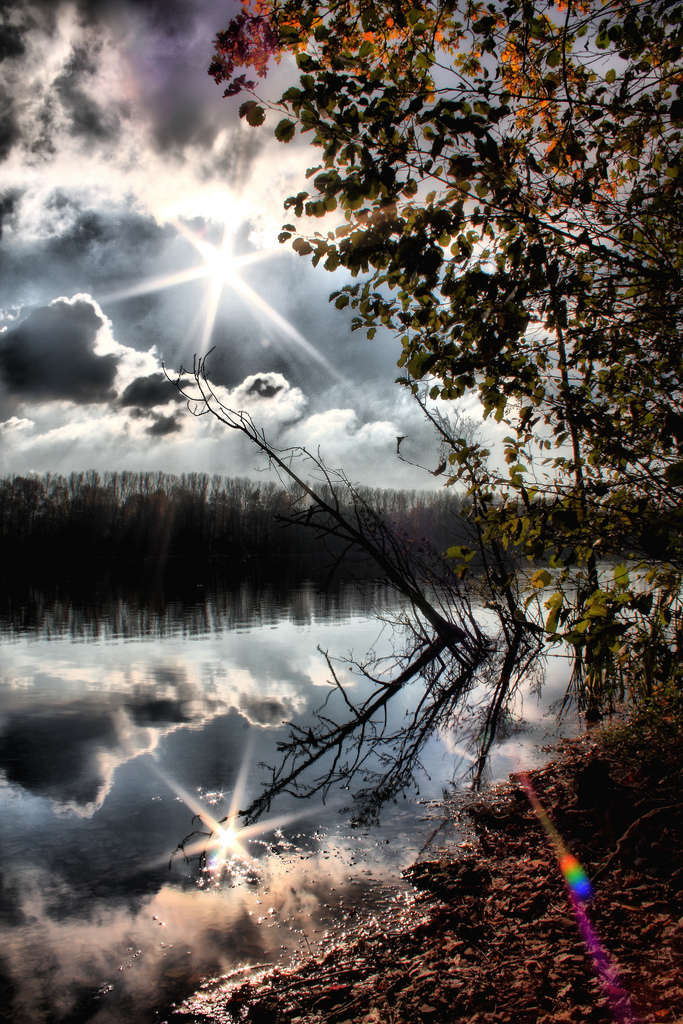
<point>554,604</point>
<point>424,60</point>
<point>621,576</point>
<point>254,113</point>
<point>674,474</point>
<point>285,130</point>
<point>460,552</point>
<point>302,247</point>
<point>540,579</point>
<point>256,117</point>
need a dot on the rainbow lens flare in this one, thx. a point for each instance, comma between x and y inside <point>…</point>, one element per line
<point>575,877</point>
<point>579,890</point>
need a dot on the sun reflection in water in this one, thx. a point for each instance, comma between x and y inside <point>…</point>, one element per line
<point>220,844</point>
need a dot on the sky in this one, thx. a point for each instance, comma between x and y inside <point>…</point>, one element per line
<point>139,220</point>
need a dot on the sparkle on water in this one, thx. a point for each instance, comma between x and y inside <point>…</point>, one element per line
<point>225,841</point>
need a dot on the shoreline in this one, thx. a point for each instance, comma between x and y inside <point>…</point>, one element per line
<point>500,938</point>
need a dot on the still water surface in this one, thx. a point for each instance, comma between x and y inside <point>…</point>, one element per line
<point>121,719</point>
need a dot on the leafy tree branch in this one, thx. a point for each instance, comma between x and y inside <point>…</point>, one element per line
<point>504,181</point>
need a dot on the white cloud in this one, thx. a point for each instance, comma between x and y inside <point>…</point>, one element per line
<point>101,114</point>
<point>15,425</point>
<point>268,397</point>
<point>361,450</point>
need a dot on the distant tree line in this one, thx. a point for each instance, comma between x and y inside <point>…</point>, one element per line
<point>159,515</point>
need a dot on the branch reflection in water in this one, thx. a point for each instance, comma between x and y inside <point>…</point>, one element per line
<point>443,645</point>
<point>95,926</point>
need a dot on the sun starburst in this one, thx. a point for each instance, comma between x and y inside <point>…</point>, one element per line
<point>221,269</point>
<point>225,838</point>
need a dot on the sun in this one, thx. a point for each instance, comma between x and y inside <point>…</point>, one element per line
<point>221,269</point>
<point>219,261</point>
<point>222,266</point>
<point>227,838</point>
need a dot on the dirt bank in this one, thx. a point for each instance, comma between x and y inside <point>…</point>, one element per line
<point>499,940</point>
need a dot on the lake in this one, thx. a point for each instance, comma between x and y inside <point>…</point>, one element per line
<point>123,715</point>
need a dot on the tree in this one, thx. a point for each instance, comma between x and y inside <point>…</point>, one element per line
<point>503,180</point>
<point>443,646</point>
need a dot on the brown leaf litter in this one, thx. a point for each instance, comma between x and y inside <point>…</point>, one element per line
<point>498,941</point>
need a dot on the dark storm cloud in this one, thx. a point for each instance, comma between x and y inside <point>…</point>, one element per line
<point>162,426</point>
<point>169,16</point>
<point>188,124</point>
<point>109,243</point>
<point>89,228</point>
<point>232,160</point>
<point>50,355</point>
<point>9,128</point>
<point>8,203</point>
<point>56,756</point>
<point>184,123</point>
<point>42,143</point>
<point>11,42</point>
<point>90,251</point>
<point>264,388</point>
<point>41,11</point>
<point>148,392</point>
<point>87,117</point>
<point>12,35</point>
<point>11,914</point>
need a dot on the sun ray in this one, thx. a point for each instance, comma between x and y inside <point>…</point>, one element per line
<point>155,284</point>
<point>241,783</point>
<point>221,268</point>
<point>225,835</point>
<point>284,325</point>
<point>223,271</point>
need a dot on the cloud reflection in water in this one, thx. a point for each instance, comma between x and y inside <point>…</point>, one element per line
<point>86,899</point>
<point>88,826</point>
<point>129,956</point>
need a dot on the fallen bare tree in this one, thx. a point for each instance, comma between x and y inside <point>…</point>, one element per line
<point>444,651</point>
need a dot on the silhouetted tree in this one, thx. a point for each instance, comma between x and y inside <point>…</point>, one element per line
<point>508,188</point>
<point>444,646</point>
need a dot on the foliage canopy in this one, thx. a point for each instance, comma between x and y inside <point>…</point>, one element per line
<point>504,181</point>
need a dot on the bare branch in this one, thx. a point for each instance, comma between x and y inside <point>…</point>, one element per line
<point>445,649</point>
